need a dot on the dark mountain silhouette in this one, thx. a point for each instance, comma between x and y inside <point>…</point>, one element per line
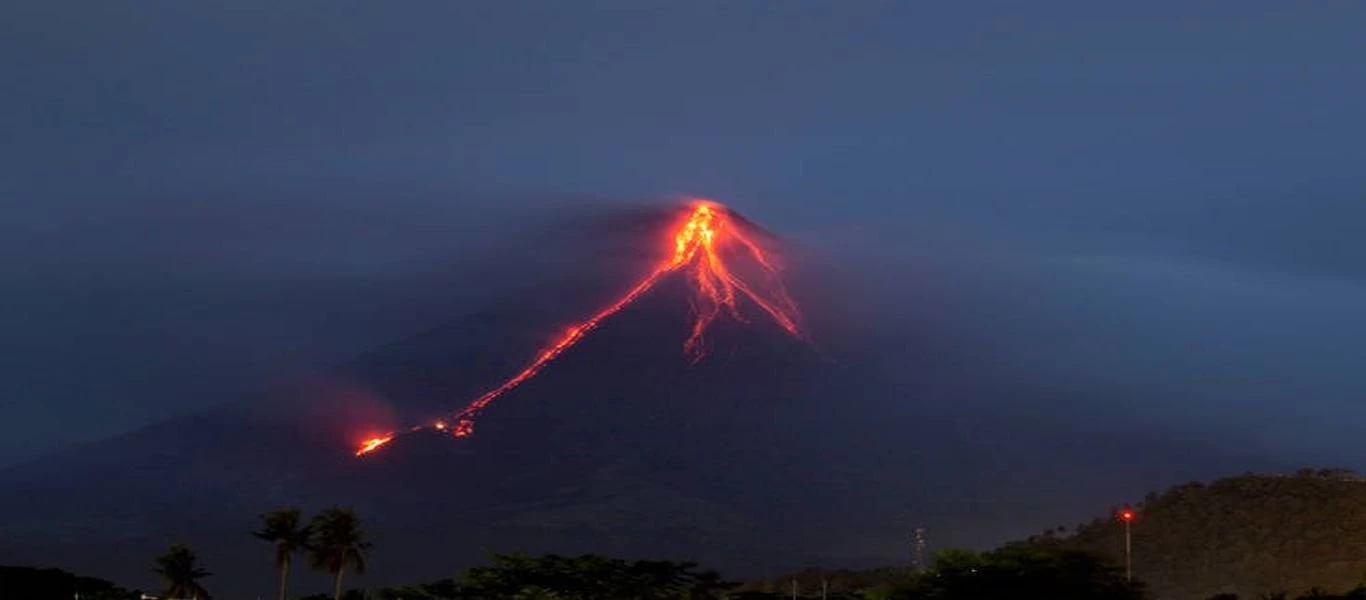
<point>771,454</point>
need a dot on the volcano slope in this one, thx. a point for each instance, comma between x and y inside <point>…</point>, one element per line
<point>622,446</point>
<point>769,454</point>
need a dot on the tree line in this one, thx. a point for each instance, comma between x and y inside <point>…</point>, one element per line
<point>1183,538</point>
<point>333,542</point>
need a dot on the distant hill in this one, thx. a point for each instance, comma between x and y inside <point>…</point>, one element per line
<point>1249,535</point>
<point>1253,536</point>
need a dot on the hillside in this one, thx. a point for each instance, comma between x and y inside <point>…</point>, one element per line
<point>1253,536</point>
<point>1247,535</point>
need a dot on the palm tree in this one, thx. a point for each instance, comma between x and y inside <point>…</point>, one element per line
<point>178,567</point>
<point>337,543</point>
<point>282,527</point>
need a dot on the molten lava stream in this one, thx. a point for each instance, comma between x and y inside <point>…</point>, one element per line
<point>699,242</point>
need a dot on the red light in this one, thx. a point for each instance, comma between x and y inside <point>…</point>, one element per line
<point>1127,515</point>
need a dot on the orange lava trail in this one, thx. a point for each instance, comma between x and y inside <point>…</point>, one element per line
<point>464,420</point>
<point>374,443</point>
<point>698,245</point>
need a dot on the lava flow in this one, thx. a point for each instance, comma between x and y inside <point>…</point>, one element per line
<point>374,443</point>
<point>698,250</point>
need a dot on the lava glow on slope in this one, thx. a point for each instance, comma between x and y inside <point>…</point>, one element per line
<point>699,247</point>
<point>374,443</point>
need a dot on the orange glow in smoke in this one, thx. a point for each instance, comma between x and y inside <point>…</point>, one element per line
<point>701,244</point>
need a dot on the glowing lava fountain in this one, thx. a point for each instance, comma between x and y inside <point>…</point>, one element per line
<point>701,243</point>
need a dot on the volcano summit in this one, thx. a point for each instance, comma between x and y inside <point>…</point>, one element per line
<point>716,250</point>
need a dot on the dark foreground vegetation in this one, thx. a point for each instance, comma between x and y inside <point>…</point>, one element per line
<point>1018,572</point>
<point>1021,573</point>
<point>30,583</point>
<point>1014,573</point>
<point>1244,538</point>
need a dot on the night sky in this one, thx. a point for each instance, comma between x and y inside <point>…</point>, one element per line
<point>1154,207</point>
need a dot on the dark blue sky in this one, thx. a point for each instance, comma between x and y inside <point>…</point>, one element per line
<point>202,198</point>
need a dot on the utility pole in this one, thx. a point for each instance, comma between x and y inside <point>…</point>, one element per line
<point>918,549</point>
<point>1127,515</point>
<point>794,588</point>
<point>825,588</point>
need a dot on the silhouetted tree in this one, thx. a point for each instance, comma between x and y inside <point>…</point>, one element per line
<point>284,528</point>
<point>180,568</point>
<point>337,543</point>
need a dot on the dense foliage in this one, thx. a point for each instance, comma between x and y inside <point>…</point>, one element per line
<point>54,584</point>
<point>571,578</point>
<point>1021,573</point>
<point>1012,573</point>
<point>1253,535</point>
<point>834,583</point>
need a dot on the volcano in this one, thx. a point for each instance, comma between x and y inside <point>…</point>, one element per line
<point>659,415</point>
<point>702,246</point>
<point>747,449</point>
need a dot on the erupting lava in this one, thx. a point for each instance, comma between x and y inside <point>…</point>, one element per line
<point>700,242</point>
<point>374,443</point>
